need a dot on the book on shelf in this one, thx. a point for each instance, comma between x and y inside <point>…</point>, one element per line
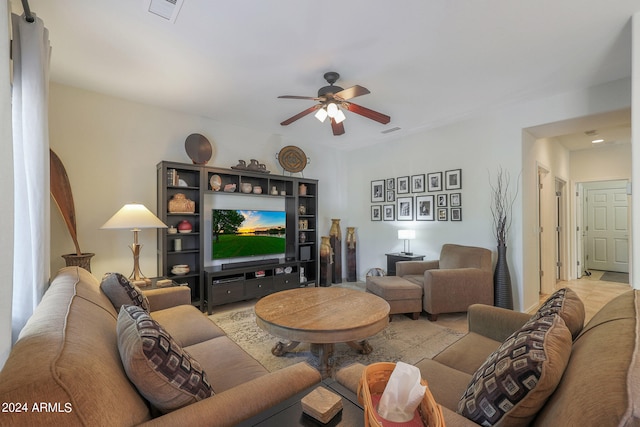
<point>172,177</point>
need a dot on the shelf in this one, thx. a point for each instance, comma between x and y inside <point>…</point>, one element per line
<point>181,187</point>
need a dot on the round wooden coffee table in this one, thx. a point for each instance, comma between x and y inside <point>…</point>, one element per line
<point>322,317</point>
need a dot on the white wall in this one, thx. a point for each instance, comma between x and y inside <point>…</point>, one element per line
<point>477,145</point>
<point>110,148</point>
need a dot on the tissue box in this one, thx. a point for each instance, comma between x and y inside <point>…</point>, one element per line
<point>321,404</point>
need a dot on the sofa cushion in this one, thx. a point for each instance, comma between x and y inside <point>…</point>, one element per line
<point>121,291</point>
<point>568,305</point>
<point>515,381</point>
<point>160,369</point>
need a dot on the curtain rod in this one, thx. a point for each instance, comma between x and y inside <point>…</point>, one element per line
<point>27,11</point>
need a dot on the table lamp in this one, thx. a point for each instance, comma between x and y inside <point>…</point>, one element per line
<point>407,235</point>
<point>135,216</point>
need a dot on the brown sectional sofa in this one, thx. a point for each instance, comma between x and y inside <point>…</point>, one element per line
<point>600,385</point>
<point>67,358</point>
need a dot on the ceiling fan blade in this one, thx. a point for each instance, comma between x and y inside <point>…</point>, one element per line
<point>301,115</point>
<point>369,114</point>
<point>352,92</point>
<point>338,128</point>
<point>299,97</point>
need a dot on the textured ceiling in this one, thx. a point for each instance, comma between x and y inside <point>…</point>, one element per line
<point>426,62</point>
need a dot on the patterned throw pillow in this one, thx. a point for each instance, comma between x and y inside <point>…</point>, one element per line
<point>516,380</point>
<point>566,304</point>
<point>165,374</point>
<point>121,291</point>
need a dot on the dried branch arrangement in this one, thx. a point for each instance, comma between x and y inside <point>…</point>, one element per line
<point>503,195</point>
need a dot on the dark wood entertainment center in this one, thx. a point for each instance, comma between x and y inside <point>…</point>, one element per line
<point>222,284</point>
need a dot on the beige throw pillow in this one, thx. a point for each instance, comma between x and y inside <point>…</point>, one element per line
<point>121,291</point>
<point>516,380</point>
<point>566,304</point>
<point>165,374</point>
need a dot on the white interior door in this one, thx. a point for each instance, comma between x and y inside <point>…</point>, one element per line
<point>607,227</point>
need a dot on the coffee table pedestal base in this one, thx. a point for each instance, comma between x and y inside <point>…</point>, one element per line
<point>322,351</point>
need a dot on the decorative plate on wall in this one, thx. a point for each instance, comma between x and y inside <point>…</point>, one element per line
<point>292,159</point>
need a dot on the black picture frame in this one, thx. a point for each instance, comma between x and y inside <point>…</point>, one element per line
<point>391,184</point>
<point>456,214</point>
<point>376,213</point>
<point>455,200</point>
<point>404,211</point>
<point>417,184</point>
<point>402,185</point>
<point>453,179</point>
<point>425,208</point>
<point>388,212</point>
<point>434,181</point>
<point>377,191</point>
<point>443,214</point>
<point>442,200</point>
<point>391,196</point>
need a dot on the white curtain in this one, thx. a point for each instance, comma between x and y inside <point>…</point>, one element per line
<point>30,55</point>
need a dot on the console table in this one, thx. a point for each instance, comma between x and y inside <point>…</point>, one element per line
<point>399,256</point>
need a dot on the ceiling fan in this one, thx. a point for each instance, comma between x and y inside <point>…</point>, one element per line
<point>331,98</point>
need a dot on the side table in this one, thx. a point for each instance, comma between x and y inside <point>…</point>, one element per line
<point>399,256</point>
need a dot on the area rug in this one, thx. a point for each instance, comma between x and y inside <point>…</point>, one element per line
<point>612,276</point>
<point>403,340</point>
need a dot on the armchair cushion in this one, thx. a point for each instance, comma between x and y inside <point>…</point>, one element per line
<point>458,256</point>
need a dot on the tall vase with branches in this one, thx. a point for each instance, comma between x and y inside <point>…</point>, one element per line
<point>503,196</point>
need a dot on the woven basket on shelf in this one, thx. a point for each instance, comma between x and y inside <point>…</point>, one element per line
<point>373,382</point>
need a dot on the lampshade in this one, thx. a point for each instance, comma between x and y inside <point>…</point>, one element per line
<point>133,216</point>
<point>332,109</point>
<point>406,234</point>
<point>321,114</point>
<point>339,117</point>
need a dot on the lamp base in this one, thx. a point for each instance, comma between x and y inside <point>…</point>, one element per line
<point>407,253</point>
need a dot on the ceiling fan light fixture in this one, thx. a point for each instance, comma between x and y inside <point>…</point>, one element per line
<point>339,117</point>
<point>321,114</point>
<point>332,109</point>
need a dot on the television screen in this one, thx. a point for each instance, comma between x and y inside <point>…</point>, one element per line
<point>246,233</point>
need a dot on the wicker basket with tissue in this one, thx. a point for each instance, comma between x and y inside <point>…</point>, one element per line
<point>371,387</point>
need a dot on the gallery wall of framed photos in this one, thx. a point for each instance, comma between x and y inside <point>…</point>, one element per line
<point>435,196</point>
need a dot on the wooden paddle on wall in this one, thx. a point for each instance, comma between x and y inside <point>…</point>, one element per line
<point>61,192</point>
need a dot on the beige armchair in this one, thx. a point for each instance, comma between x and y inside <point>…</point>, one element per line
<point>462,276</point>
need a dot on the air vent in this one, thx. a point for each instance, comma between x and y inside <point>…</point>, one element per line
<point>167,9</point>
<point>391,130</point>
<point>591,132</point>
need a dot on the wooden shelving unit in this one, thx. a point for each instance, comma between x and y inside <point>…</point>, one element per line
<point>301,253</point>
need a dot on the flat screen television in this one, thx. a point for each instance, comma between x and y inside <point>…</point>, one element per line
<point>247,233</point>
